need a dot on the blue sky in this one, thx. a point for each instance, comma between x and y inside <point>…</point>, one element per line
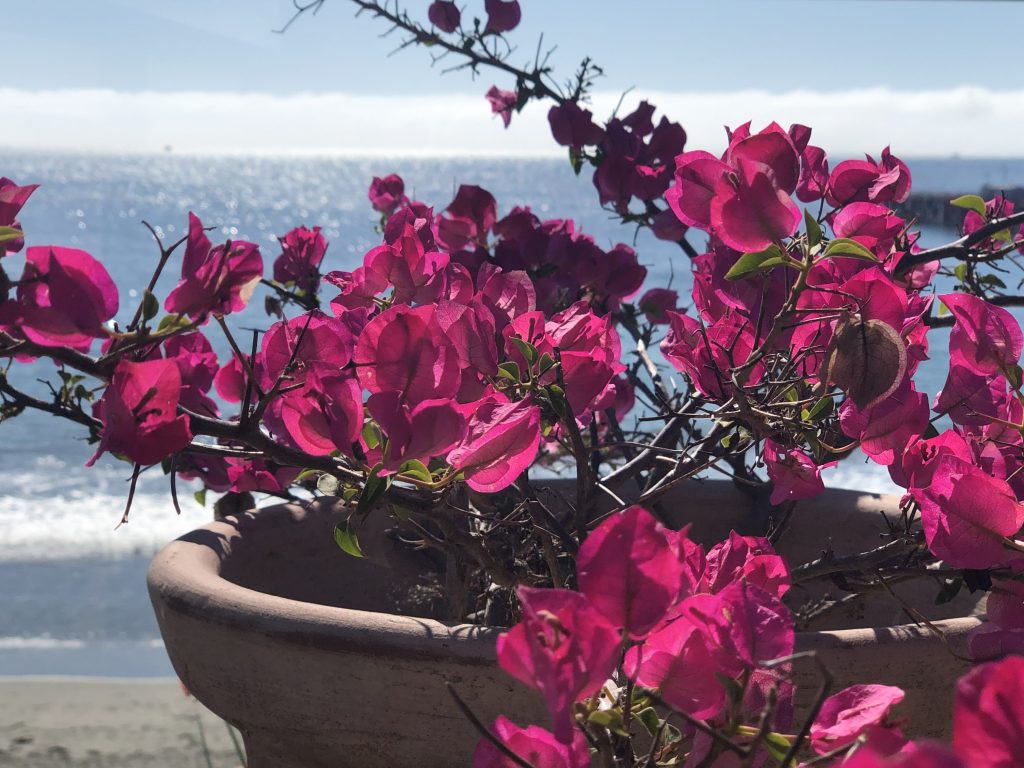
<point>939,74</point>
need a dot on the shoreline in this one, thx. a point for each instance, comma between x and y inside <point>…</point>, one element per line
<point>48,721</point>
<point>85,660</point>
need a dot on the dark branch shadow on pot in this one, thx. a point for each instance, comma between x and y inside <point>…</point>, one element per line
<point>217,542</point>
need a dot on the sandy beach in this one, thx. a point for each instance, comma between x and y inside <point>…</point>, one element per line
<point>53,722</point>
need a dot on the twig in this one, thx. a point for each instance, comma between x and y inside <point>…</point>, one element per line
<point>668,435</point>
<point>962,248</point>
<point>700,725</point>
<point>202,736</point>
<point>165,254</point>
<point>483,729</point>
<point>826,686</point>
<point>131,495</point>
<point>863,561</point>
<point>584,472</point>
<point>244,361</point>
<point>55,409</point>
<point>550,556</point>
<point>650,762</point>
<point>70,357</point>
<point>918,618</point>
<point>174,483</point>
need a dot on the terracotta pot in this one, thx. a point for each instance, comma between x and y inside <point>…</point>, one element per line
<point>299,646</point>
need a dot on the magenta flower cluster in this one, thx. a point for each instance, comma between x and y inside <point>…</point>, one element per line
<point>656,613</point>
<point>448,338</point>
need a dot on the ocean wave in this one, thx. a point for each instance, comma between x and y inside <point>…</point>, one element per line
<point>81,516</point>
<point>44,643</point>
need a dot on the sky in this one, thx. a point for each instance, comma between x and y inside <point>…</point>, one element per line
<point>931,77</point>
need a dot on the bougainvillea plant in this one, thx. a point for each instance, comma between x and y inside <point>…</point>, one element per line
<point>476,344</point>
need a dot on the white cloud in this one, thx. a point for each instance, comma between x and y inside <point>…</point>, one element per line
<point>969,121</point>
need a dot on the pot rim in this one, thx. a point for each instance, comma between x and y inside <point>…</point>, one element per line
<point>185,577</point>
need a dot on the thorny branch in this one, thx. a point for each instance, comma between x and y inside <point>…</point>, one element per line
<point>532,81</point>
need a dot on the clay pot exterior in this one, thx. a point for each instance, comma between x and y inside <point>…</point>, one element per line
<point>298,645</point>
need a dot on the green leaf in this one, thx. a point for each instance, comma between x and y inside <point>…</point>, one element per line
<point>509,370</point>
<point>751,263</point>
<point>345,537</point>
<point>991,281</point>
<point>648,717</point>
<point>417,469</point>
<point>777,746</point>
<point>557,396</point>
<point>7,234</point>
<point>150,305</point>
<point>173,322</point>
<point>371,435</point>
<point>576,161</point>
<point>960,270</point>
<point>950,589</point>
<point>1015,375</point>
<point>733,689</point>
<point>200,497</point>
<point>844,246</point>
<point>812,441</point>
<point>9,411</point>
<point>672,735</point>
<point>304,474</point>
<point>526,349</point>
<point>822,407</point>
<point>70,379</point>
<point>373,490</point>
<point>744,434</point>
<point>813,228</point>
<point>610,719</point>
<point>971,202</point>
<point>327,485</point>
<point>545,364</point>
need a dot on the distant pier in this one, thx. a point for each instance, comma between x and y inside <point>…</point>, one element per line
<point>933,209</point>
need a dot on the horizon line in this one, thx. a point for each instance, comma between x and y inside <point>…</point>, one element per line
<point>966,121</point>
<point>274,153</point>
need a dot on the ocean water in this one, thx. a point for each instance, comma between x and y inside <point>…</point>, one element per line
<point>74,599</point>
